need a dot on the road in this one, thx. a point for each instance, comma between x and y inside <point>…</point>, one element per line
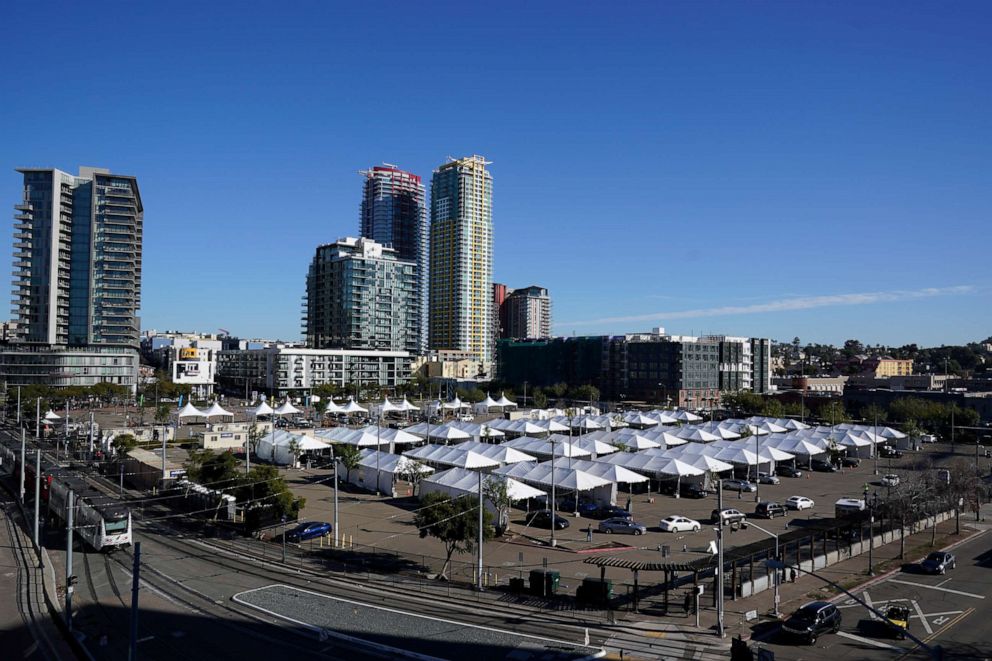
<point>953,611</point>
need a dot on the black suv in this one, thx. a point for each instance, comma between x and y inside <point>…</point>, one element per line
<point>542,519</point>
<point>821,466</point>
<point>769,510</point>
<point>813,619</point>
<point>889,452</point>
<point>788,471</point>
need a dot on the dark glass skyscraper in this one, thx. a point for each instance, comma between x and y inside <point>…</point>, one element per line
<point>394,214</point>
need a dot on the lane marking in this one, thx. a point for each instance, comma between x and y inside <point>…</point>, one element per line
<point>942,582</point>
<point>869,641</point>
<point>923,619</point>
<point>871,606</point>
<point>951,624</point>
<point>939,614</point>
<point>934,587</point>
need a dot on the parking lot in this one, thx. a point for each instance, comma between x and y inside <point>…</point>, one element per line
<point>958,601</point>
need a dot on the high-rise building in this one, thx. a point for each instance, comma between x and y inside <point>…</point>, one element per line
<point>360,295</point>
<point>528,313</point>
<point>77,283</point>
<point>461,258</point>
<point>500,292</point>
<point>394,214</point>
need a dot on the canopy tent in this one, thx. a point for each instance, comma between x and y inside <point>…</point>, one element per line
<point>332,408</point>
<point>190,411</point>
<point>379,471</point>
<point>855,445</point>
<point>501,453</point>
<point>596,447</point>
<point>551,425</point>
<point>405,405</point>
<point>543,447</point>
<point>786,424</point>
<point>262,409</point>
<point>353,407</point>
<point>504,402</point>
<point>718,429</point>
<point>485,405</point>
<point>563,479</point>
<point>369,436</point>
<point>455,405</point>
<point>385,406</point>
<point>651,465</point>
<point>663,417</point>
<point>457,482</point>
<point>446,455</point>
<point>611,472</point>
<point>518,427</point>
<point>277,446</point>
<point>708,463</point>
<point>587,423</point>
<point>684,416</point>
<point>448,433</point>
<point>52,415</point>
<point>635,440</point>
<point>479,431</point>
<point>691,433</point>
<point>286,409</point>
<point>638,419</point>
<point>216,410</point>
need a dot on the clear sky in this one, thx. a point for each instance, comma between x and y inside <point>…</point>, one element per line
<point>772,168</point>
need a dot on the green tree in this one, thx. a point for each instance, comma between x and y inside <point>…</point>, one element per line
<point>162,413</point>
<point>496,492</point>
<point>585,393</point>
<point>124,443</point>
<point>453,522</point>
<point>772,408</point>
<point>873,412</point>
<point>211,469</point>
<point>349,456</point>
<point>833,412</point>
<point>539,399</point>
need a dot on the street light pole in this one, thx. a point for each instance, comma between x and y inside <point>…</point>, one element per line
<point>554,542</point>
<point>775,610</point>
<point>334,460</point>
<point>719,582</point>
<point>479,540</point>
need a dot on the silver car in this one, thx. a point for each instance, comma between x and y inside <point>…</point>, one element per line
<point>622,526</point>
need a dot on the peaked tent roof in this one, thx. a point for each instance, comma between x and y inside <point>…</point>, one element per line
<point>332,407</point>
<point>262,409</point>
<point>52,415</point>
<point>461,481</point>
<point>286,409</point>
<point>190,411</point>
<point>353,407</point>
<point>503,401</point>
<point>216,409</point>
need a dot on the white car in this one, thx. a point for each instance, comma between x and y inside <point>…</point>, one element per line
<point>799,503</point>
<point>679,524</point>
<point>890,480</point>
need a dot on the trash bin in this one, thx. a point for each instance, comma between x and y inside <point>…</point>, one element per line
<point>544,583</point>
<point>518,585</point>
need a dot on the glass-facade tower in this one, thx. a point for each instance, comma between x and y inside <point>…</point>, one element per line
<point>394,214</point>
<point>461,258</point>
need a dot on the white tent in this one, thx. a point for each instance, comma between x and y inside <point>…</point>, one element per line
<point>504,402</point>
<point>708,463</point>
<point>455,405</point>
<point>405,405</point>
<point>564,479</point>
<point>551,425</point>
<point>190,411</point>
<point>383,469</point>
<point>634,441</point>
<point>332,408</point>
<point>353,407</point>
<point>448,433</point>
<point>367,437</point>
<point>216,410</point>
<point>595,446</point>
<point>691,433</point>
<point>52,415</point>
<point>286,409</point>
<point>276,446</point>
<point>684,416</point>
<point>479,431</point>
<point>587,423</point>
<point>446,455</point>
<point>262,409</point>
<point>486,404</point>
<point>542,447</point>
<point>638,419</point>
<point>457,482</point>
<point>612,472</point>
<point>501,453</point>
<point>663,417</point>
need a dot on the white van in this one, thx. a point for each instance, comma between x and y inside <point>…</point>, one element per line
<point>848,507</point>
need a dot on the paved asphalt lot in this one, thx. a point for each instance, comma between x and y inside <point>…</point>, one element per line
<point>421,634</point>
<point>953,611</point>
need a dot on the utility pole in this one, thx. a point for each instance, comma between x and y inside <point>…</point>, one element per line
<point>91,433</point>
<point>18,406</point>
<point>37,495</point>
<point>719,552</point>
<point>21,492</point>
<point>69,578</point>
<point>335,461</point>
<point>132,652</point>
<point>480,536</point>
<point>37,420</point>
<point>554,542</point>
<point>871,537</point>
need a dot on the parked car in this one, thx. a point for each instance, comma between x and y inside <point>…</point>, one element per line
<point>889,452</point>
<point>890,480</point>
<point>609,512</point>
<point>788,471</point>
<point>308,530</point>
<point>679,524</point>
<point>812,620</point>
<point>821,466</point>
<point>622,526</point>
<point>938,562</point>
<point>769,510</point>
<point>850,462</point>
<point>542,519</point>
<point>693,490</point>
<point>584,507</point>
<point>738,485</point>
<point>728,515</point>
<point>767,478</point>
<point>799,503</point>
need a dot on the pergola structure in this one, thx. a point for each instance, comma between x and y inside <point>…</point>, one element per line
<point>671,570</point>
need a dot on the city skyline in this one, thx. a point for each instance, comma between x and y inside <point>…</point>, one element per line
<point>652,168</point>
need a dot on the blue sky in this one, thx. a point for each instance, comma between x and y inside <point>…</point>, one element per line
<point>774,169</point>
